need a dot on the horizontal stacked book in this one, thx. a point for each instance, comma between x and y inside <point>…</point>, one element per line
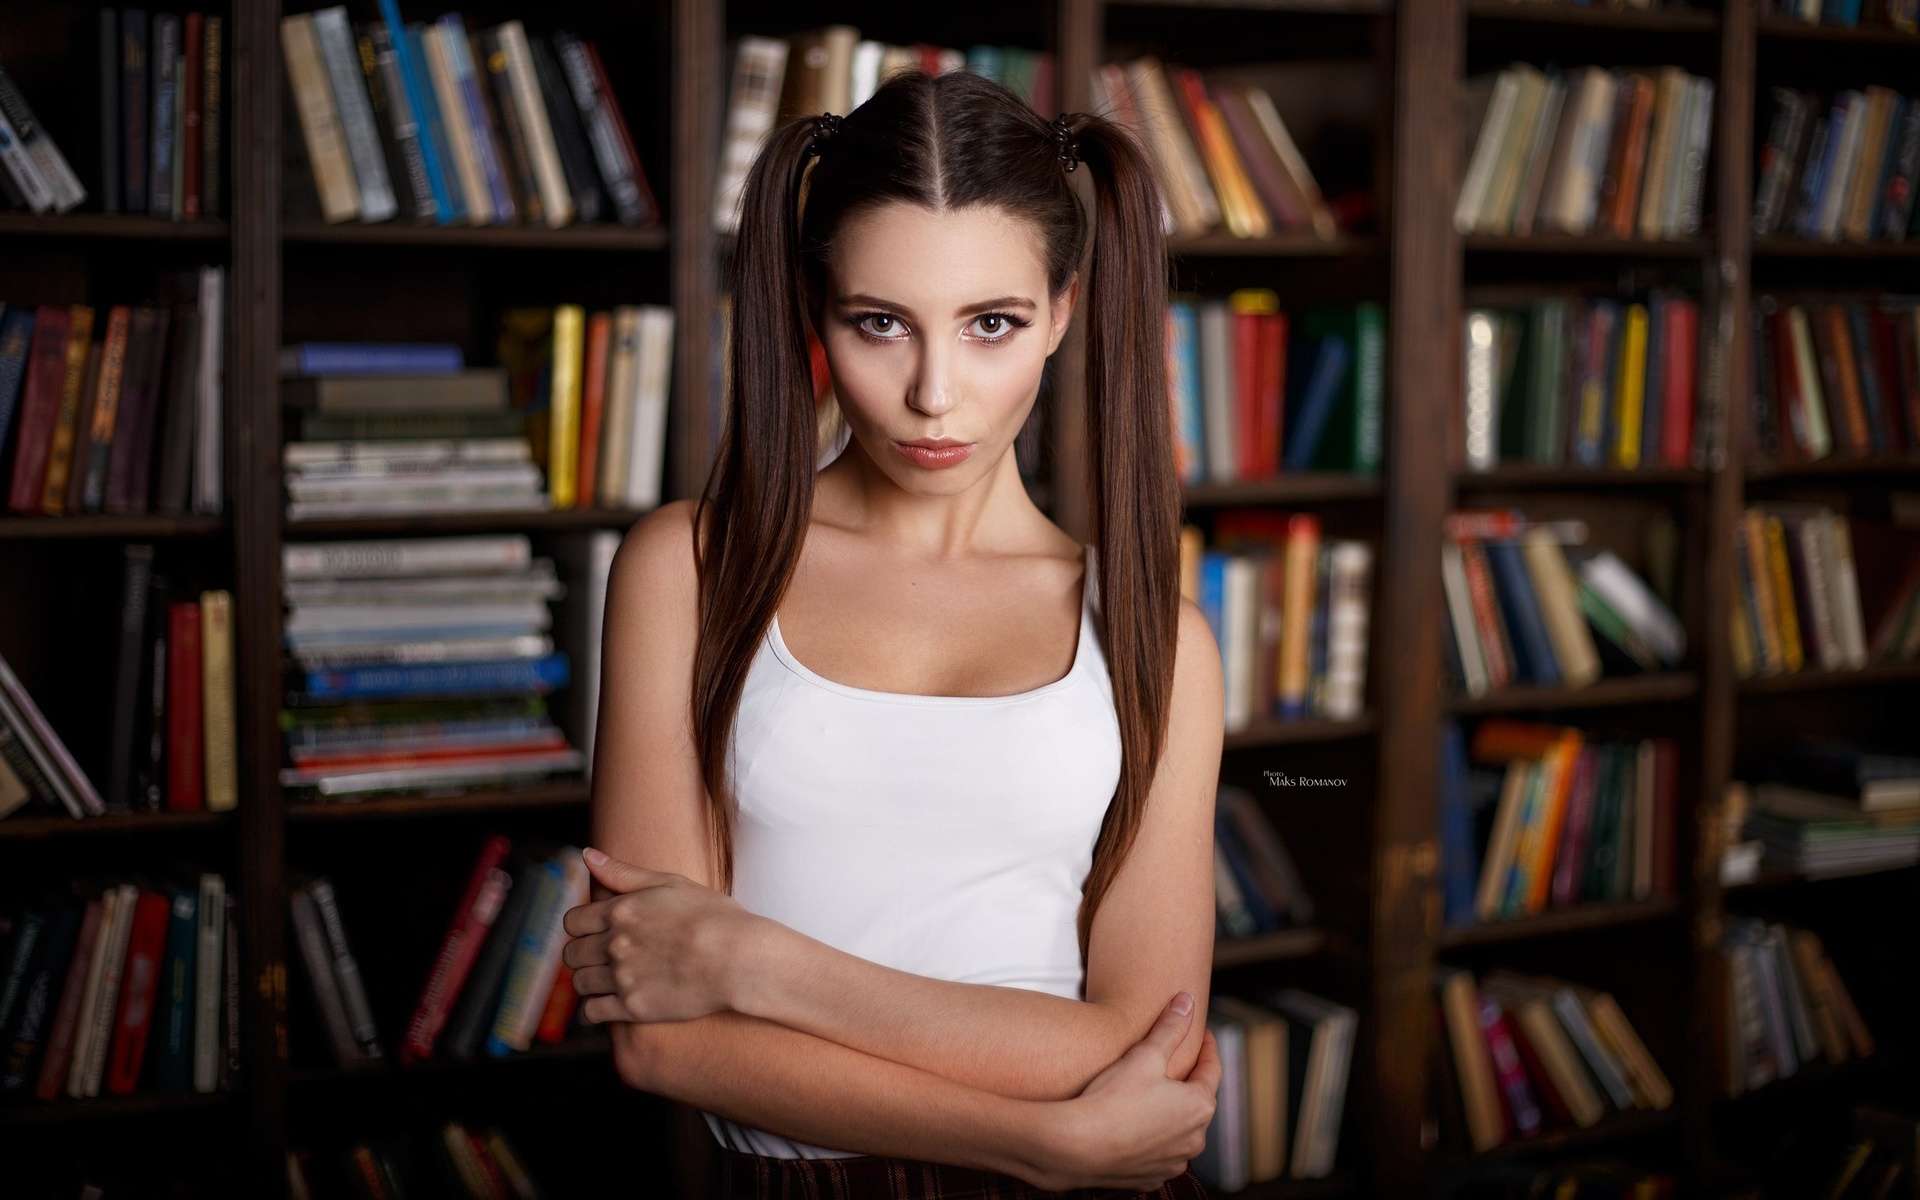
<point>455,1161</point>
<point>1839,171</point>
<point>1787,1007</point>
<point>1595,152</point>
<point>439,124</point>
<point>1530,1053</point>
<point>118,410</point>
<point>1289,609</point>
<point>1256,392</point>
<point>1849,14</point>
<point>1256,885</point>
<point>108,990</point>
<point>420,666</point>
<point>1529,602</point>
<point>1536,816</point>
<point>1821,834</point>
<point>1583,382</point>
<point>1284,1064</point>
<point>1835,375</point>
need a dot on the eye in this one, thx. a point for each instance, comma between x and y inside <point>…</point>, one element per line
<point>997,326</point>
<point>884,327</point>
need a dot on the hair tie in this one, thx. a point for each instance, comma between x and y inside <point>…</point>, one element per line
<point>824,127</point>
<point>1063,137</point>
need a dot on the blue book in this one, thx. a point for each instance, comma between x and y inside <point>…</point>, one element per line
<point>1458,867</point>
<point>1526,628</point>
<point>486,151</point>
<point>1317,401</point>
<point>987,62</point>
<point>549,902</point>
<point>16,339</point>
<point>1871,387</point>
<point>1296,709</point>
<point>1847,13</point>
<point>1186,390</point>
<point>1259,905</point>
<point>1826,144</point>
<point>1596,339</point>
<point>173,1006</point>
<point>1213,593</point>
<point>413,79</point>
<point>39,998</point>
<point>316,359</point>
<point>434,140</point>
<point>514,675</point>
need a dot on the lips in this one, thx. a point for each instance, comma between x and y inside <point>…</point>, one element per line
<point>934,453</point>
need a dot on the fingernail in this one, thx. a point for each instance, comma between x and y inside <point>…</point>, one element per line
<point>594,857</point>
<point>1183,1003</point>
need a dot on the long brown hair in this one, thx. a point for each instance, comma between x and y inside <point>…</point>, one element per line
<point>945,142</point>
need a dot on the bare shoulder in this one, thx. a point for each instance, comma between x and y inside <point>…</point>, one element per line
<point>656,566</point>
<point>1198,701</point>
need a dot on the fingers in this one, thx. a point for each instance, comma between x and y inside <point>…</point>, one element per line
<point>588,918</point>
<point>1171,1027</point>
<point>1206,1070</point>
<point>601,1009</point>
<point>590,951</point>
<point>594,981</point>
<point>617,876</point>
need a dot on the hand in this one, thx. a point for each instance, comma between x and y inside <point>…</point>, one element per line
<point>660,949</point>
<point>1133,1127</point>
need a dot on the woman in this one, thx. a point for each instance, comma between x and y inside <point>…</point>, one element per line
<point>908,796</point>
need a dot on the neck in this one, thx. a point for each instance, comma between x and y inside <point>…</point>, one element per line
<point>993,514</point>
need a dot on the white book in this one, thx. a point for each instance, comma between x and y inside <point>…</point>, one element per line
<point>867,57</point>
<point>1239,656</point>
<point>208,481</point>
<point>1196,208</point>
<point>1482,406</point>
<point>1216,391</point>
<point>342,61</point>
<point>441,72</point>
<point>209,954</point>
<point>1349,613</point>
<point>453,501</point>
<point>320,125</point>
<point>83,1031</point>
<point>647,453</point>
<point>1486,152</point>
<point>1502,193</point>
<point>1627,594</point>
<point>1466,636</point>
<point>616,427</point>
<point>759,69</point>
<point>1693,170</point>
<point>343,618</point>
<point>1819,436</point>
<point>343,486</point>
<point>20,168</point>
<point>405,556</point>
<point>319,458</point>
<point>1846,593</point>
<point>1579,199</point>
<point>556,202</point>
<point>107,1004</point>
<point>1224,1162</point>
<point>1845,161</point>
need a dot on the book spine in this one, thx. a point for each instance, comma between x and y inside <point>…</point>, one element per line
<point>107,85</point>
<point>1508,1071</point>
<point>646,454</point>
<point>136,584</point>
<point>312,942</point>
<point>492,61</point>
<point>165,67</point>
<point>593,407</point>
<point>646,203</point>
<point>402,123</point>
<point>413,90</point>
<point>576,161</point>
<point>133,108</point>
<point>139,983</point>
<point>563,460</point>
<point>346,970</point>
<point>441,679</point>
<point>355,112</point>
<point>63,188</point>
<point>479,907</point>
<point>530,973</point>
<point>602,136</point>
<point>71,1021</point>
<point>185,763</point>
<point>486,148</point>
<point>327,155</point>
<point>19,711</point>
<point>230,1067</point>
<point>176,994</point>
<point>374,358</point>
<point>457,130</point>
<point>208,486</point>
<point>192,113</point>
<point>210,957</point>
<point>213,61</point>
<point>60,449</point>
<point>218,729</point>
<point>556,201</point>
<point>39,409</point>
<point>40,994</point>
<point>106,408</point>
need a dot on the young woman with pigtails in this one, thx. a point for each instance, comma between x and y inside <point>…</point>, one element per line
<point>903,798</point>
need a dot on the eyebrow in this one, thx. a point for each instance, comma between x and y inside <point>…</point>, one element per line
<point>979,306</point>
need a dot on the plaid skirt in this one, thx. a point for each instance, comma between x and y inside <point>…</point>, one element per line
<point>757,1177</point>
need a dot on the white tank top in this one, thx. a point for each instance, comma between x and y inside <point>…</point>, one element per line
<point>947,836</point>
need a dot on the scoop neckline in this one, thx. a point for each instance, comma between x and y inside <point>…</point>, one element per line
<point>778,643</point>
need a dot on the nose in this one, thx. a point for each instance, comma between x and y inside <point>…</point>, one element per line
<point>932,390</point>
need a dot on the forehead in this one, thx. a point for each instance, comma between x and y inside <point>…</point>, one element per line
<point>916,255</point>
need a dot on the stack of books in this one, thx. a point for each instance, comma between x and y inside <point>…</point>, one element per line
<point>1567,381</point>
<point>1530,1053</point>
<point>117,411</point>
<point>1255,393</point>
<point>1256,886</point>
<point>420,666</point>
<point>1283,1088</point>
<point>33,173</point>
<point>1825,834</point>
<point>1290,610</point>
<point>1594,152</point>
<point>1787,1006</point>
<point>1849,14</point>
<point>1819,590</point>
<point>1536,816</point>
<point>1224,156</point>
<point>834,70</point>
<point>1528,602</point>
<point>1845,170</point>
<point>438,124</point>
<point>456,1161</point>
<point>1835,376</point>
<point>130,987</point>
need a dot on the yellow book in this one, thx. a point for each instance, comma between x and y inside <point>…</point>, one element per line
<point>1767,613</point>
<point>217,737</point>
<point>1236,189</point>
<point>1553,816</point>
<point>53,494</point>
<point>563,435</point>
<point>1301,584</point>
<point>1792,652</point>
<point>1192,545</point>
<point>1742,634</point>
<point>1630,396</point>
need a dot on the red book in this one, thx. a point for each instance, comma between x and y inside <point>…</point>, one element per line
<point>561,1002</point>
<point>1273,390</point>
<point>479,905</point>
<point>1537,1073</point>
<point>139,983</point>
<point>1523,1113</point>
<point>1246,393</point>
<point>1666,803</point>
<point>191,106</point>
<point>184,759</point>
<point>1680,343</point>
<point>1570,864</point>
<point>66,1018</point>
<point>39,408</point>
<point>593,404</point>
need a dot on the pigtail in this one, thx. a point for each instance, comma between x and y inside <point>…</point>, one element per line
<point>753,513</point>
<point>1136,501</point>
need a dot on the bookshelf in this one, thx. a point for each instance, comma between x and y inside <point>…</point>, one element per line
<point>1375,847</point>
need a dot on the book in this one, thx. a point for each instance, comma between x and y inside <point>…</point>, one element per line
<point>559,883</point>
<point>473,917</point>
<point>186,760</point>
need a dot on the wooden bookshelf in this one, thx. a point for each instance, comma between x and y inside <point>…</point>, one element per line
<point>1279,946</point>
<point>1603,693</point>
<point>562,795</point>
<point>1554,922</point>
<point>109,527</point>
<point>21,828</point>
<point>571,237</point>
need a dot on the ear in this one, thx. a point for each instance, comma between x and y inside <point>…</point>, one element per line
<point>1062,312</point>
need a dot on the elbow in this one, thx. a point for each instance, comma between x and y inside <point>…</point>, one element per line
<point>637,1056</point>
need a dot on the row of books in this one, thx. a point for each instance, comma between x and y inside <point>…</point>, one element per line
<point>454,1161</point>
<point>1823,834</point>
<point>1887,14</point>
<point>1610,153</point>
<point>1256,886</point>
<point>438,124</point>
<point>1567,381</point>
<point>122,988</point>
<point>1835,376</point>
<point>1290,611</point>
<point>1815,590</point>
<point>1255,391</point>
<point>1529,602</point>
<point>1787,1007</point>
<point>117,411</point>
<point>833,69</point>
<point>421,664</point>
<point>1223,154</point>
<point>1531,1053</point>
<point>1536,815</point>
<point>1849,173</point>
<point>1284,1064</point>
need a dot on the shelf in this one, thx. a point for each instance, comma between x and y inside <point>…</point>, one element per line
<point>1337,1184</point>
<point>1789,247</point>
<point>1569,243</point>
<point>1808,681</point>
<point>1557,12</point>
<point>149,1104</point>
<point>559,520</point>
<point>1821,1073</point>
<point>1293,733</point>
<point>1632,1123</point>
<point>1299,487</point>
<point>387,1072</point>
<point>1278,946</point>
<point>1786,29</point>
<point>108,525</point>
<point>1529,476</point>
<point>1285,245</point>
<point>125,226</point>
<point>33,828</point>
<point>1560,920</point>
<point>527,799</point>
<point>570,237</point>
<point>1773,877</point>
<point>1835,465</point>
<point>1604,693</point>
<point>1357,8</point>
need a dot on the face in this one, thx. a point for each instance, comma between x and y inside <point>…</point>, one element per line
<point>936,328</point>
